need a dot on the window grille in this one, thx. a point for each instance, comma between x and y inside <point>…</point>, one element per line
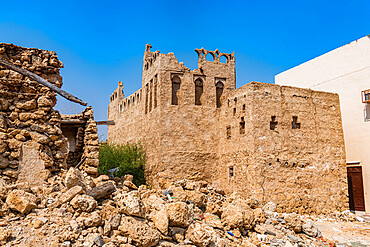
<point>366,96</point>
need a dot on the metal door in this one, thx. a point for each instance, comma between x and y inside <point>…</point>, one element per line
<point>355,188</point>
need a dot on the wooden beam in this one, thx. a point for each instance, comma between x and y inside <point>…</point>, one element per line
<point>102,191</point>
<point>108,122</point>
<point>72,121</point>
<point>42,81</point>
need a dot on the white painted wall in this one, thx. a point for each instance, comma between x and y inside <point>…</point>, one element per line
<point>346,71</point>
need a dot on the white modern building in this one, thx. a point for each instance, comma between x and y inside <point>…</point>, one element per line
<point>346,71</point>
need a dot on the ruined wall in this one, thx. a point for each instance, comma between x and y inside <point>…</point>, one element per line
<point>291,150</point>
<point>177,135</point>
<point>223,135</point>
<point>32,142</point>
<point>82,134</point>
<point>28,123</point>
<point>189,130</point>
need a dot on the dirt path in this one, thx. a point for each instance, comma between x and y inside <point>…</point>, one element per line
<point>346,233</point>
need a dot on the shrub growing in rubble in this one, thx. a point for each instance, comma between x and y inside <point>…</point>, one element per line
<point>129,159</point>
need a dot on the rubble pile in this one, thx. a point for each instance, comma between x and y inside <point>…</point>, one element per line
<point>73,209</point>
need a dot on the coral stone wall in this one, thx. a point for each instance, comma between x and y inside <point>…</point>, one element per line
<point>268,142</point>
<point>32,142</point>
<point>82,134</point>
<point>176,136</point>
<point>27,117</point>
<point>302,167</point>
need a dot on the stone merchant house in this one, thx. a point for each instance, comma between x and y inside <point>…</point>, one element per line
<point>345,71</point>
<point>268,142</point>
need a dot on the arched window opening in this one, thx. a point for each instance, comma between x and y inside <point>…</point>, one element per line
<point>150,95</point>
<point>219,91</point>
<point>155,90</point>
<point>242,126</point>
<point>146,97</point>
<point>176,82</point>
<point>210,57</point>
<point>223,59</point>
<point>198,91</point>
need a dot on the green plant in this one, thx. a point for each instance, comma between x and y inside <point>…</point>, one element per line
<point>129,158</point>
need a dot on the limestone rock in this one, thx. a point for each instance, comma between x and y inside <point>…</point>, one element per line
<point>311,229</point>
<point>293,222</point>
<point>130,204</point>
<point>140,232</point>
<point>93,220</point>
<point>44,101</point>
<point>39,222</point>
<point>270,207</point>
<point>21,201</point>
<point>4,104</point>
<point>154,202</point>
<point>178,234</point>
<point>130,184</point>
<point>232,217</point>
<point>196,197</point>
<point>90,240</point>
<point>199,234</point>
<point>84,203</point>
<point>180,214</point>
<point>259,215</point>
<point>248,219</point>
<point>40,138</point>
<point>5,234</point>
<point>70,194</point>
<point>28,105</point>
<point>178,193</point>
<point>128,177</point>
<point>31,167</point>
<point>213,220</point>
<point>74,177</point>
<point>160,220</point>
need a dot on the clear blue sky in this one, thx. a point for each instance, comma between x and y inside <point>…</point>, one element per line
<point>102,42</point>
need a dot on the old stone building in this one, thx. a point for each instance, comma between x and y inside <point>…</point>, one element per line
<point>265,141</point>
<point>34,138</point>
<point>345,71</point>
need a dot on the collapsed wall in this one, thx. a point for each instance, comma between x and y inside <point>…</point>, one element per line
<point>81,131</point>
<point>32,143</point>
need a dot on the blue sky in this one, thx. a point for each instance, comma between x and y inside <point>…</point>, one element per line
<point>102,42</point>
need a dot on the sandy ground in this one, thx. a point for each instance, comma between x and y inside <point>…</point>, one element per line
<point>346,233</point>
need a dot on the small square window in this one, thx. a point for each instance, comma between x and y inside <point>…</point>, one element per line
<point>231,171</point>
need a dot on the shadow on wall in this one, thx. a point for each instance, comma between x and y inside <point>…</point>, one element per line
<point>367,113</point>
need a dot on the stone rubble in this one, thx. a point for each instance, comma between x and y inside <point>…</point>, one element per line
<point>186,213</point>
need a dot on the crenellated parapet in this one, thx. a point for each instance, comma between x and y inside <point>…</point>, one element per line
<point>118,93</point>
<point>149,57</point>
<point>217,55</point>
